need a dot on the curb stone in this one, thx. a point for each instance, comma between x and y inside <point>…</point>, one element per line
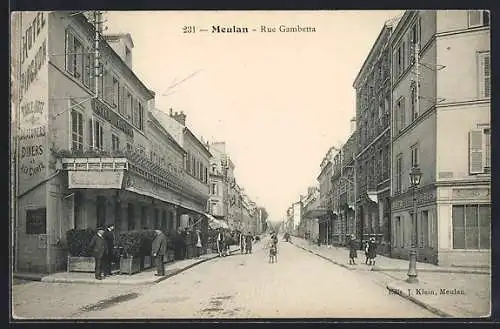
<point>392,289</point>
<point>418,302</point>
<point>175,271</point>
<point>325,258</point>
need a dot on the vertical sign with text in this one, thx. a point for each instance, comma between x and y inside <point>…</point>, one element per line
<point>33,107</point>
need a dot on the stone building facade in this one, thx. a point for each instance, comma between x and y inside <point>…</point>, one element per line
<point>373,103</point>
<point>88,155</point>
<point>443,126</point>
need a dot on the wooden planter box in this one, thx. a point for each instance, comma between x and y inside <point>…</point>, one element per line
<point>81,264</point>
<point>190,252</point>
<point>170,256</point>
<point>130,265</point>
<point>148,262</point>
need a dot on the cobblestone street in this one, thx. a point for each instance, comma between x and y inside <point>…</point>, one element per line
<point>239,286</point>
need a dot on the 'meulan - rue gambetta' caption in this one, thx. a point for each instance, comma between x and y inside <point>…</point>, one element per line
<point>237,29</point>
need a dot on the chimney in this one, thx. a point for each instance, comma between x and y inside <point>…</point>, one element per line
<point>180,117</point>
<point>353,125</point>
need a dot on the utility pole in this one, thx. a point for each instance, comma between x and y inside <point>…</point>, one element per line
<point>97,72</point>
<point>417,78</point>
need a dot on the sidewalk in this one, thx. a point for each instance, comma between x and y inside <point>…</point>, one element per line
<point>445,291</point>
<point>141,278</point>
<point>339,255</point>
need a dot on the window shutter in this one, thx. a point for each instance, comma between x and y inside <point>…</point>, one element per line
<point>484,75</point>
<point>474,17</point>
<point>475,151</point>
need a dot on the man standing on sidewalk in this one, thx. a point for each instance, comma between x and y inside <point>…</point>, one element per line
<point>109,237</point>
<point>98,247</point>
<point>159,249</point>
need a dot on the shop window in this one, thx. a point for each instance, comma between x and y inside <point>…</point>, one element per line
<point>131,217</point>
<point>471,226</point>
<point>76,130</point>
<point>36,221</point>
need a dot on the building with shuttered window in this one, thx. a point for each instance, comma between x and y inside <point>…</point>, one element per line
<point>443,126</point>
<point>88,159</point>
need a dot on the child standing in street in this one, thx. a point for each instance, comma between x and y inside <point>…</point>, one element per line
<point>352,250</point>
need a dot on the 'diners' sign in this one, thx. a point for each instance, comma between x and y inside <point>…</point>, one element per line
<point>103,111</point>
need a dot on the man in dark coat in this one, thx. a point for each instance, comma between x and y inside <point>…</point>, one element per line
<point>248,243</point>
<point>99,249</point>
<point>159,249</point>
<point>109,237</point>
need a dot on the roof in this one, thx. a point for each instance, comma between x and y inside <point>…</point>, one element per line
<point>202,146</point>
<point>170,138</point>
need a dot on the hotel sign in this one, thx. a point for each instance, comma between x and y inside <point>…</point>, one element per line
<point>95,179</point>
<point>33,102</point>
<point>112,117</point>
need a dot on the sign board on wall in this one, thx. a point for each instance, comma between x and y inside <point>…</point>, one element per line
<point>33,108</point>
<point>95,179</point>
<point>36,221</point>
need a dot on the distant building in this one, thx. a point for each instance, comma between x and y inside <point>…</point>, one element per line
<point>373,117</point>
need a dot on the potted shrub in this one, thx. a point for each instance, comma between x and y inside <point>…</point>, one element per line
<point>79,253</point>
<point>170,256</point>
<point>147,237</point>
<point>136,250</point>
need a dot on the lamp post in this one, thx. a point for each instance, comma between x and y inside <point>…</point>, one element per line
<point>415,176</point>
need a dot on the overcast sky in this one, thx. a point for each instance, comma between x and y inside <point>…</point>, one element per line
<point>279,100</point>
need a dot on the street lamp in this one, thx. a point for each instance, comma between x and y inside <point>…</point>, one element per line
<point>415,176</point>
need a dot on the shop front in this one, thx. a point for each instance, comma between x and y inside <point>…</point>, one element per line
<point>464,217</point>
<point>422,235</point>
<point>129,192</point>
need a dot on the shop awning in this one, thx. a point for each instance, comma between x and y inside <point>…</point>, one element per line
<point>215,223</point>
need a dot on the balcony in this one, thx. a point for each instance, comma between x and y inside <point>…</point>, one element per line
<point>170,177</point>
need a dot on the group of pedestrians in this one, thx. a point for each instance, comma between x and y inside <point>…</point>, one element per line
<point>370,249</point>
<point>102,247</point>
<point>246,241</point>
